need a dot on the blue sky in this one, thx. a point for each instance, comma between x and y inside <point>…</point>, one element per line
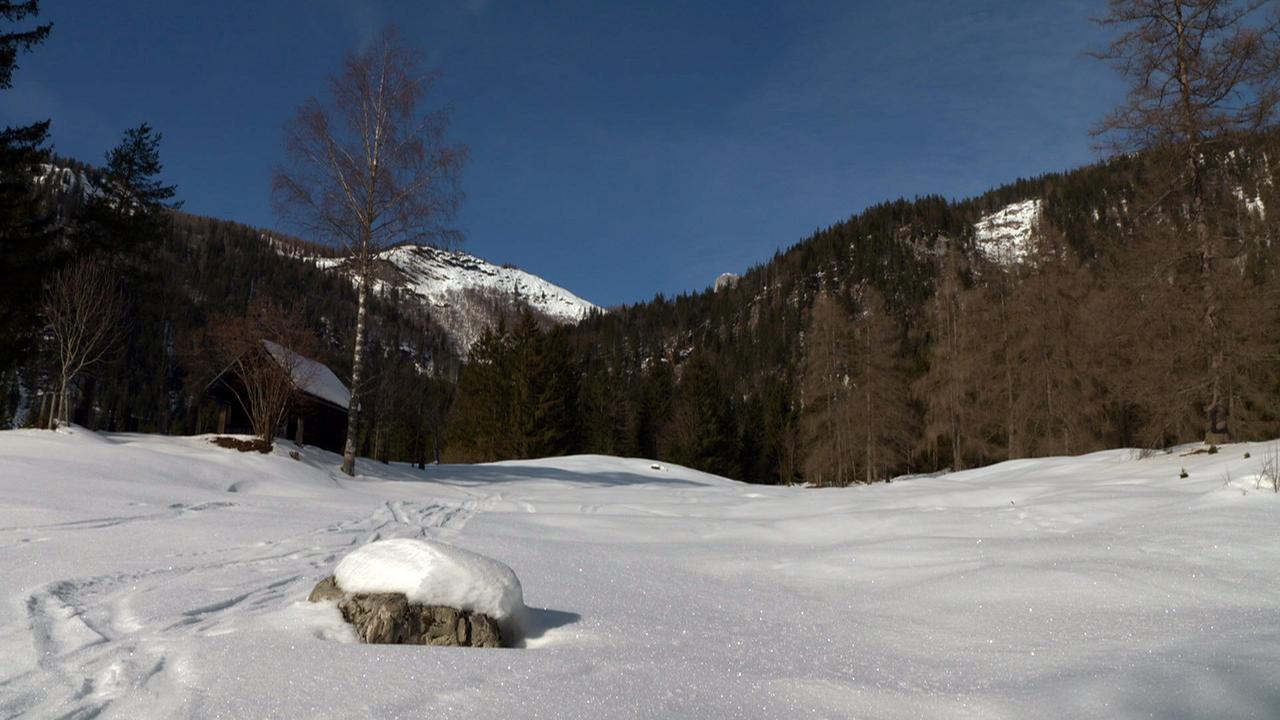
<point>620,149</point>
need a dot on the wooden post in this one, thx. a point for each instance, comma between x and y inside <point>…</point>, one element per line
<point>298,436</point>
<point>222,420</point>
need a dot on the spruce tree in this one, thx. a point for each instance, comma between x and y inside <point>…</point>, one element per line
<point>27,248</point>
<point>480,419</point>
<point>703,433</point>
<point>556,397</point>
<point>125,219</point>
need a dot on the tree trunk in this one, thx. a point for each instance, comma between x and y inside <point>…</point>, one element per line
<point>1218,429</point>
<point>357,367</point>
<point>58,416</point>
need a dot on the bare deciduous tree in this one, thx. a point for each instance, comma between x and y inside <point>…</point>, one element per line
<point>84,312</point>
<point>1198,71</point>
<point>946,387</point>
<point>827,433</point>
<point>857,393</point>
<point>881,414</point>
<point>370,168</point>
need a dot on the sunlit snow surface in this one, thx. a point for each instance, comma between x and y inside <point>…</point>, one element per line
<point>149,577</point>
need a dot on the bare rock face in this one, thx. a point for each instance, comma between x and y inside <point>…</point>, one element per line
<point>391,618</point>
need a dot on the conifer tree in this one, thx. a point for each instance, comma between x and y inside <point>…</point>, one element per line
<point>525,387</point>
<point>556,413</point>
<point>27,248</point>
<point>480,419</point>
<point>126,216</point>
<point>702,434</point>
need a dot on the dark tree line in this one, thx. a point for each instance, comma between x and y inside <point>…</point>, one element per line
<point>517,396</point>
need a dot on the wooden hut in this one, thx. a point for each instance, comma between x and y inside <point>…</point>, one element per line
<point>318,411</point>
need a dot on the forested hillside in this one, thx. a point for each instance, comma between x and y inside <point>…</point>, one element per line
<point>1051,316</point>
<point>925,334</point>
<point>198,269</point>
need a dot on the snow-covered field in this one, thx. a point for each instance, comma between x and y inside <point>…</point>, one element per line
<point>149,577</point>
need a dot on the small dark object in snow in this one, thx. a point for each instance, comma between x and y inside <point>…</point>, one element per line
<point>294,454</point>
<point>250,445</point>
<point>656,466</point>
<point>1246,456</point>
<point>1183,474</point>
<point>389,618</point>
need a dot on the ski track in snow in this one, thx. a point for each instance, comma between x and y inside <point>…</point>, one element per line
<point>86,635</point>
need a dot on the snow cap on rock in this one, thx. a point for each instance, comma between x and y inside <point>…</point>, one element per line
<point>433,573</point>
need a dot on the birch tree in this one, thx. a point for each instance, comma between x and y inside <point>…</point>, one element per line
<point>83,310</point>
<point>370,167</point>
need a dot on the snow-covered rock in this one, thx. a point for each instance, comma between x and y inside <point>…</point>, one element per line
<point>427,572</point>
<point>389,618</point>
<point>727,280</point>
<point>1005,236</point>
<point>65,180</point>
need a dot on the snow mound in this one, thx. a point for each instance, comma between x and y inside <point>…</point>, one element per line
<point>433,573</point>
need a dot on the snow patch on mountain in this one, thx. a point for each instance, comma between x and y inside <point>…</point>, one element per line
<point>464,293</point>
<point>67,182</point>
<point>1004,236</point>
<point>1254,205</point>
<point>726,281</point>
<point>440,276</point>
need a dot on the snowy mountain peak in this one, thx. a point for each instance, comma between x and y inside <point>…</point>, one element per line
<point>440,276</point>
<point>464,294</point>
